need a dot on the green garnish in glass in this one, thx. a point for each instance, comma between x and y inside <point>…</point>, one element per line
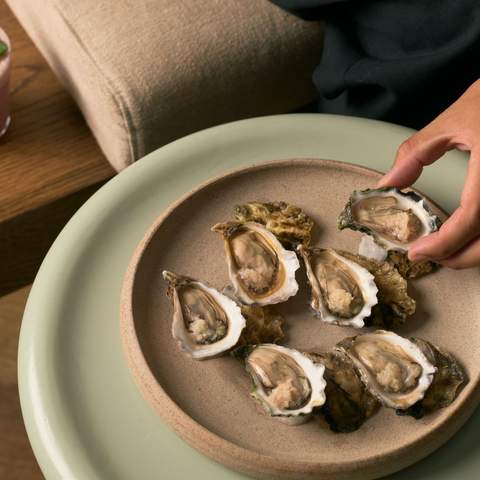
<point>3,49</point>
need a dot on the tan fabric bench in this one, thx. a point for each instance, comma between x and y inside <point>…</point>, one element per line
<point>145,72</point>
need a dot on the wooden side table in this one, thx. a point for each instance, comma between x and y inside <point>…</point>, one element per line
<point>49,161</point>
<point>16,457</point>
<point>49,165</point>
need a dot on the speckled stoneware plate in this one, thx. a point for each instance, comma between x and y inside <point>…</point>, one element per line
<point>208,403</point>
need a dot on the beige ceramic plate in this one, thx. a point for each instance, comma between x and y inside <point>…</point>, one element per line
<point>208,402</point>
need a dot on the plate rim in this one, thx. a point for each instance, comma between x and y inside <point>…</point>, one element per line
<point>227,452</point>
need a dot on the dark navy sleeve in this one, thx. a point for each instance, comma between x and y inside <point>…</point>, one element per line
<point>403,61</point>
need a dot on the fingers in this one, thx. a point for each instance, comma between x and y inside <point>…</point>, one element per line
<point>461,228</point>
<point>456,232</point>
<point>457,243</point>
<point>412,156</point>
<point>457,127</point>
<point>420,150</point>
<point>468,257</point>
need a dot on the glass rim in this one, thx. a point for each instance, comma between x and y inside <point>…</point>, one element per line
<point>6,39</point>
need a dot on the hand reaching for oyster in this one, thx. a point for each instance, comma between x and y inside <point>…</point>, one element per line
<point>457,243</point>
<point>346,385</point>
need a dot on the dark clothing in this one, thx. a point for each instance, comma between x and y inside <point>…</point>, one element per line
<point>403,61</point>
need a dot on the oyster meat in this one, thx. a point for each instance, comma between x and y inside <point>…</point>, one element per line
<point>261,270</point>
<point>206,323</point>
<point>348,403</point>
<point>343,292</point>
<point>289,223</point>
<point>394,219</point>
<point>394,303</point>
<point>393,368</point>
<point>287,383</point>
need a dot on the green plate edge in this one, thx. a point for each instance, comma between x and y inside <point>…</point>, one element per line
<point>84,415</point>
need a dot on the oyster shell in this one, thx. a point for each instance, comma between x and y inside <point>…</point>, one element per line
<point>264,325</point>
<point>287,383</point>
<point>206,323</point>
<point>261,271</point>
<point>368,248</point>
<point>287,222</point>
<point>409,269</point>
<point>348,403</point>
<point>398,259</point>
<point>343,292</point>
<point>393,368</point>
<point>394,303</point>
<point>394,219</point>
<point>446,383</point>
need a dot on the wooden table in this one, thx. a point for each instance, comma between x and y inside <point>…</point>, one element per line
<point>49,161</point>
<point>16,457</point>
<point>49,165</point>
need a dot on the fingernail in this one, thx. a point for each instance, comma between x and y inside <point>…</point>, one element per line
<point>385,181</point>
<point>418,258</point>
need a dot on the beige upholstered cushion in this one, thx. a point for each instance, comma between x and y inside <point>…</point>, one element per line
<point>145,72</point>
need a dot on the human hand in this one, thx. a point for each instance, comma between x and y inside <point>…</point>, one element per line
<point>457,243</point>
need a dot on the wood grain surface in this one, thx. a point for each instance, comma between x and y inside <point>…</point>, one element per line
<point>48,154</point>
<point>16,458</point>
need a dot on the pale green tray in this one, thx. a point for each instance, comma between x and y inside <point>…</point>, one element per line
<point>84,414</point>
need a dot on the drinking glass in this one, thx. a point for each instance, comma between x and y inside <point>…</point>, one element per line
<point>4,82</point>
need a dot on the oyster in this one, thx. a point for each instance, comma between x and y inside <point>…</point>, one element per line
<point>446,383</point>
<point>343,292</point>
<point>287,383</point>
<point>394,303</point>
<point>287,222</point>
<point>206,323</point>
<point>393,368</point>
<point>261,271</point>
<point>394,219</point>
<point>348,403</point>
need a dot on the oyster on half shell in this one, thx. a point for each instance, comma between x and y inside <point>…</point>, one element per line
<point>393,368</point>
<point>395,219</point>
<point>343,292</point>
<point>392,220</point>
<point>261,271</point>
<point>287,383</point>
<point>206,323</point>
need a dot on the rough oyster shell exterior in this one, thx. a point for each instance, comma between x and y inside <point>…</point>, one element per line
<point>289,223</point>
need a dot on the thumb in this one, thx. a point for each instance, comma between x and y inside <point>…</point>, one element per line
<point>421,149</point>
